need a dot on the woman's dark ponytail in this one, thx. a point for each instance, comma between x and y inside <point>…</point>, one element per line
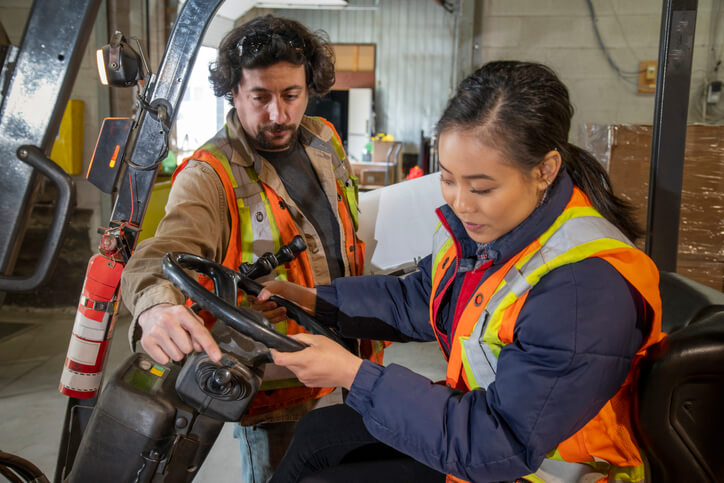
<point>523,110</point>
<point>588,174</point>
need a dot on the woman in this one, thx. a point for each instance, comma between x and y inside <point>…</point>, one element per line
<point>539,301</point>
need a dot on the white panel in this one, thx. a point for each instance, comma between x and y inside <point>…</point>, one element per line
<point>359,111</point>
<point>397,222</point>
<point>359,122</point>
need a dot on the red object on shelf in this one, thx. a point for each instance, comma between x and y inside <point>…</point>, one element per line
<point>415,172</point>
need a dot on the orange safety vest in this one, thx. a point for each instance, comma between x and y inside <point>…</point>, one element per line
<point>606,444</point>
<point>260,223</point>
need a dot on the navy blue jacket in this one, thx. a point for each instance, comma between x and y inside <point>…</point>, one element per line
<point>573,346</point>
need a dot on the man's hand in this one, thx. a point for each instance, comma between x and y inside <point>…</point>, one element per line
<point>323,364</point>
<point>172,331</point>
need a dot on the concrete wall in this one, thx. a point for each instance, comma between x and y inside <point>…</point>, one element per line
<point>559,33</point>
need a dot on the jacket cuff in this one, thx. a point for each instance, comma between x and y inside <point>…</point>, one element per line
<point>359,397</point>
<point>326,310</point>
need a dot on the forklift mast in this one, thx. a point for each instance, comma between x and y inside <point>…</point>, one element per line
<point>36,79</point>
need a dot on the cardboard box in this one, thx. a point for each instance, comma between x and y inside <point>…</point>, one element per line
<point>380,149</point>
<point>626,150</point>
<point>372,175</point>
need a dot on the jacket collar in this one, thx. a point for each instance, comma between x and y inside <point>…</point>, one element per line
<point>531,228</point>
<point>245,155</point>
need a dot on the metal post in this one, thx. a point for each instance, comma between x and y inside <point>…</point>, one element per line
<point>676,45</point>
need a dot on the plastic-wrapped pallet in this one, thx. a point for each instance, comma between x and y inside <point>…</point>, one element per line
<point>625,150</point>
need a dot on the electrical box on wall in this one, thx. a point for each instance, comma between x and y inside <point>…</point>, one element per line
<point>647,76</point>
<point>713,92</point>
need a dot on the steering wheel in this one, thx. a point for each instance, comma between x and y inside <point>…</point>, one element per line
<point>222,302</point>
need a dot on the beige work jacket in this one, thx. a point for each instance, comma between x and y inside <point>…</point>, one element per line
<point>197,221</point>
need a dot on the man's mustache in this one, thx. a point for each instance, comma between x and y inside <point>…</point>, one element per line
<point>278,127</point>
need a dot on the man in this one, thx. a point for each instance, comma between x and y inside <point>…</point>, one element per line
<point>271,173</point>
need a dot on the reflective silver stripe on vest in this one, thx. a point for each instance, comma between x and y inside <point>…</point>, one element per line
<point>250,192</point>
<point>574,232</point>
<point>556,471</point>
<point>439,238</point>
<point>484,361</point>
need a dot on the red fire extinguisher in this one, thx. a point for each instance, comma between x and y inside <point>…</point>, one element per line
<point>93,328</point>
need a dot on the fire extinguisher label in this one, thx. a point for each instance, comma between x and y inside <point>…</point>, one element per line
<point>85,352</point>
<point>77,381</point>
<point>90,329</point>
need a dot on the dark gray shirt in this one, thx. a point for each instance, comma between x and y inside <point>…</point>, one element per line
<point>299,178</point>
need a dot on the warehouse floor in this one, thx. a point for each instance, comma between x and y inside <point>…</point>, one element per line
<point>33,343</point>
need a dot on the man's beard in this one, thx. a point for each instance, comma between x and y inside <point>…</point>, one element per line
<point>263,142</point>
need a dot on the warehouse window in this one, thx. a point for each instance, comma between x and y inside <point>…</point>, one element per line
<point>201,114</point>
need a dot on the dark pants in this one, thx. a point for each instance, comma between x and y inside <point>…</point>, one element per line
<point>331,444</point>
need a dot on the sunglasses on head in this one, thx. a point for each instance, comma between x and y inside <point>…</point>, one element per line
<point>255,42</point>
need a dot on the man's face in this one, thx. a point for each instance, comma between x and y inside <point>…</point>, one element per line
<point>270,102</point>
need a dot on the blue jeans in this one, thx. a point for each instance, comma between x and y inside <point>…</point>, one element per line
<point>262,448</point>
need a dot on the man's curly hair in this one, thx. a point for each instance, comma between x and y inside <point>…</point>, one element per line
<point>266,41</point>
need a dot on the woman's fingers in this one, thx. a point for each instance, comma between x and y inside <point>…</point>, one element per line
<point>323,364</point>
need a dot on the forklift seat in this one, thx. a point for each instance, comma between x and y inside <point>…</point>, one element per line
<point>678,414</point>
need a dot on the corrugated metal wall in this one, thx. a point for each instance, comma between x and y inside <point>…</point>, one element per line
<point>415,40</point>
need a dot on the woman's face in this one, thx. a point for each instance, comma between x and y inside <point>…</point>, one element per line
<point>487,193</point>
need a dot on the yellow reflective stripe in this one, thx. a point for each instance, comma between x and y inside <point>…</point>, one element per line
<point>565,216</point>
<point>281,273</point>
<point>335,139</point>
<point>281,327</point>
<point>218,154</point>
<point>247,237</point>
<point>534,479</point>
<point>252,174</point>
<point>490,336</point>
<point>351,194</point>
<point>573,255</point>
<point>441,253</point>
<point>555,455</point>
<point>628,474</point>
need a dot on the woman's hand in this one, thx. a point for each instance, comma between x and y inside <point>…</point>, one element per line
<point>305,297</point>
<point>323,364</point>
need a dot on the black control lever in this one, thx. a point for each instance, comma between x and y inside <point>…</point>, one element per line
<point>264,265</point>
<point>269,261</point>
